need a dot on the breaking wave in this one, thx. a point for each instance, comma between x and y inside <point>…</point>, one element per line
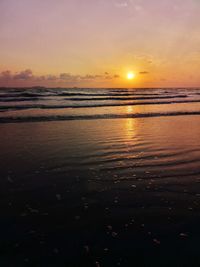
<point>16,104</point>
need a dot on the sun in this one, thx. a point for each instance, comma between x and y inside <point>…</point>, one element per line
<point>130,75</point>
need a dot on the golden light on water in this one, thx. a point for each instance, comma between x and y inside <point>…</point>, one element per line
<point>129,109</point>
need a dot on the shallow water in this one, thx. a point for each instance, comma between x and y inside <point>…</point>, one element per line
<point>120,192</point>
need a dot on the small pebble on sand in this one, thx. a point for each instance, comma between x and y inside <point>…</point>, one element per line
<point>114,234</point>
<point>183,235</point>
<point>56,251</point>
<point>58,196</point>
<point>87,249</point>
<point>156,241</point>
<point>10,180</point>
<point>109,227</point>
<point>97,264</point>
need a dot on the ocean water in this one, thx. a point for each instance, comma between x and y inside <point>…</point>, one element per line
<point>41,104</point>
<point>100,177</point>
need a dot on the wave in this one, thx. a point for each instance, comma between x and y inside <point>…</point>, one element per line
<point>106,94</point>
<point>95,117</point>
<point>22,94</point>
<point>129,98</point>
<point>20,99</point>
<point>92,98</point>
<point>81,94</point>
<point>41,106</point>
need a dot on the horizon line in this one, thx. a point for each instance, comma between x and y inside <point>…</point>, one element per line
<point>75,87</point>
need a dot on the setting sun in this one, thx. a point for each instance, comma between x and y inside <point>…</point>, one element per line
<point>130,75</point>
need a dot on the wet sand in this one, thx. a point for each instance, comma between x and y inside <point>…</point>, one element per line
<point>123,192</point>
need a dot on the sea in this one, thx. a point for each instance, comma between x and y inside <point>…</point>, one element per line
<point>42,104</point>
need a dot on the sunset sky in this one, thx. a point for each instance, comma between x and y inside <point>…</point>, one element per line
<point>95,43</point>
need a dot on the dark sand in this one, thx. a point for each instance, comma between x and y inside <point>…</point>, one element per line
<point>102,193</point>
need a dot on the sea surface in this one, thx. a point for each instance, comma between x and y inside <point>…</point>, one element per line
<point>99,177</point>
<point>42,104</point>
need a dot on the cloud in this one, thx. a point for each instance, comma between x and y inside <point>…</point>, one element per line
<point>143,72</point>
<point>50,77</point>
<point>145,58</point>
<point>66,76</point>
<point>138,8</point>
<point>88,77</point>
<point>28,76</point>
<point>6,74</point>
<point>121,4</point>
<point>23,75</point>
<point>75,78</point>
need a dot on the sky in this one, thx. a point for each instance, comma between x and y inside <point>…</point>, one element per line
<point>95,43</point>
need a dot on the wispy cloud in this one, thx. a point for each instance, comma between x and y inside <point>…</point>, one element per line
<point>121,3</point>
<point>23,75</point>
<point>28,76</point>
<point>143,72</point>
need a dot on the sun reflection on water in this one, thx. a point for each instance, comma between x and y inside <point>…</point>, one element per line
<point>131,124</point>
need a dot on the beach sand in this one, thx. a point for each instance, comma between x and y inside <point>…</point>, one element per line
<point>123,192</point>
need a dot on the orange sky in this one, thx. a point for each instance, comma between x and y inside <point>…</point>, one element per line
<point>94,43</point>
